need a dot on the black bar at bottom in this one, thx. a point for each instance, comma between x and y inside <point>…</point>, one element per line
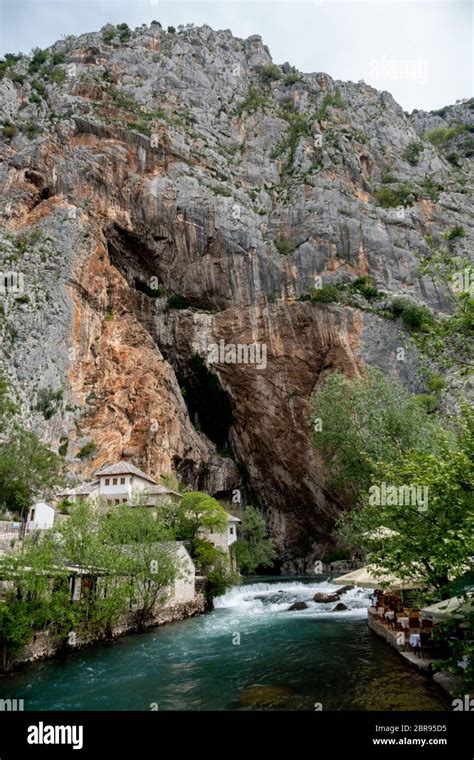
<point>133,735</point>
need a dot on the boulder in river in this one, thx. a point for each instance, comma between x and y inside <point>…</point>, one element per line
<point>339,607</point>
<point>325,598</point>
<point>298,606</point>
<point>343,590</point>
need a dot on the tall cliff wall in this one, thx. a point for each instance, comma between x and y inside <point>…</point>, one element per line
<point>163,193</point>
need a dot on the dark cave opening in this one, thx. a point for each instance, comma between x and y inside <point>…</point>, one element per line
<point>208,404</point>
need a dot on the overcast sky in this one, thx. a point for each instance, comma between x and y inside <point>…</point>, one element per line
<point>422,52</point>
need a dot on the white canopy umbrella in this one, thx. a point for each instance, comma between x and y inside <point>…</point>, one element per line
<point>373,577</point>
<point>456,606</point>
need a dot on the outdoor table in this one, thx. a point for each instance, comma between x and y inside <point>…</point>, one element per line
<point>415,639</point>
<point>389,615</point>
<point>403,621</point>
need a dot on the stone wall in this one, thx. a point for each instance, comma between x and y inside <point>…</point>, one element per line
<point>44,644</point>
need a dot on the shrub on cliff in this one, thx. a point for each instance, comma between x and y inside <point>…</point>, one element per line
<point>413,151</point>
<point>177,301</point>
<point>326,294</point>
<point>391,197</point>
<point>270,72</point>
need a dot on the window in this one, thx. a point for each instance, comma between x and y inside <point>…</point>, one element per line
<point>124,501</point>
<point>114,481</point>
<point>122,480</point>
<point>107,481</point>
<point>231,531</point>
<point>32,514</point>
<point>117,501</point>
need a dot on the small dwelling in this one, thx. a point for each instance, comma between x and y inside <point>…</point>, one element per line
<point>121,483</point>
<point>222,540</point>
<point>40,516</point>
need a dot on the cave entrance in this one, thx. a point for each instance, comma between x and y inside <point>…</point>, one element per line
<point>208,404</point>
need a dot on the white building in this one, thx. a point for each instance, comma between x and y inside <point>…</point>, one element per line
<point>40,516</point>
<point>122,483</point>
<point>222,540</point>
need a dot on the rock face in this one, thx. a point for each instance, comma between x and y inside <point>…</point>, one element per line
<point>166,201</point>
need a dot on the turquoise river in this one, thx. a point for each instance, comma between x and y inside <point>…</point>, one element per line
<point>249,653</point>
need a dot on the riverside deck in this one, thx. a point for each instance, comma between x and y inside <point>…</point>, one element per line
<point>399,641</point>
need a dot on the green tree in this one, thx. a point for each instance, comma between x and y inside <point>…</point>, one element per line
<point>433,537</point>
<point>214,564</point>
<point>254,549</point>
<point>28,468</point>
<point>200,511</point>
<point>358,422</point>
<point>449,340</point>
<point>142,537</point>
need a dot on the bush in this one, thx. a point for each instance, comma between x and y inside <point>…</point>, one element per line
<point>431,188</point>
<point>325,294</point>
<point>414,317</point>
<point>62,448</point>
<point>412,152</point>
<point>49,402</point>
<point>58,76</point>
<point>284,246</point>
<point>57,58</point>
<point>456,232</point>
<point>391,197</point>
<point>454,159</point>
<point>124,32</point>
<point>87,451</point>
<point>38,59</point>
<point>292,78</point>
<point>177,301</point>
<point>329,101</point>
<point>252,102</point>
<point>109,35</point>
<point>8,62</point>
<point>440,135</point>
<point>64,506</point>
<point>17,78</point>
<point>39,87</point>
<point>31,129</point>
<point>298,127</point>
<point>388,177</point>
<point>9,130</point>
<point>270,72</point>
<point>365,285</point>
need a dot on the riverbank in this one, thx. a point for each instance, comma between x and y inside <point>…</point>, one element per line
<point>45,645</point>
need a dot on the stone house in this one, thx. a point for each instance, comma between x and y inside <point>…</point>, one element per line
<point>40,516</point>
<point>122,483</point>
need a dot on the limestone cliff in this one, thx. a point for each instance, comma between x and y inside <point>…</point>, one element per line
<point>161,193</point>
